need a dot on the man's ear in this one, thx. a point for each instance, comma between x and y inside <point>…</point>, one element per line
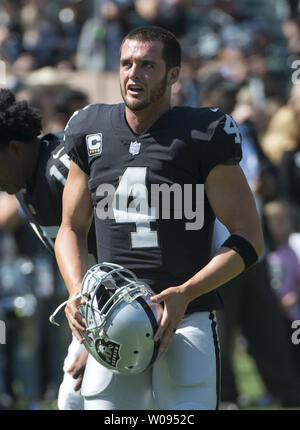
<point>173,75</point>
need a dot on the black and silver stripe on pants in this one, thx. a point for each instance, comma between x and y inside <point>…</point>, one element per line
<point>212,317</point>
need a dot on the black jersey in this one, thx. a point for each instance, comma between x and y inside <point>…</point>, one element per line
<point>147,188</point>
<point>41,201</point>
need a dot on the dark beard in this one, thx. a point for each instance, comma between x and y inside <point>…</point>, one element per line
<point>155,95</point>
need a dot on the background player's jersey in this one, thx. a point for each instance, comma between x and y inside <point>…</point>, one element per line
<point>41,201</point>
<point>151,211</point>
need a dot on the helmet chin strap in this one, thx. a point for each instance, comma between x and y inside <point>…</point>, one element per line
<point>52,316</point>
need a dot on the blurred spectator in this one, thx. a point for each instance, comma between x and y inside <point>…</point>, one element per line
<point>40,33</point>
<point>170,14</point>
<point>290,177</point>
<point>57,102</point>
<point>247,297</point>
<point>294,8</point>
<point>223,93</point>
<point>281,135</point>
<point>41,96</point>
<point>29,287</point>
<point>294,100</point>
<point>37,33</point>
<point>72,16</point>
<point>10,30</point>
<point>65,102</point>
<point>284,267</point>
<point>233,63</point>
<point>291,31</point>
<point>289,165</point>
<point>217,91</point>
<point>101,36</point>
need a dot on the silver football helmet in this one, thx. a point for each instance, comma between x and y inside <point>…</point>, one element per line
<point>120,319</point>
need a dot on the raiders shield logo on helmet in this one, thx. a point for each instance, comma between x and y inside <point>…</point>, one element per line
<point>109,351</point>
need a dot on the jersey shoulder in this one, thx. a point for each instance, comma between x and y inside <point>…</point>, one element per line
<point>213,136</point>
<point>209,124</point>
<point>51,143</point>
<point>84,128</point>
<point>85,119</point>
<point>54,162</point>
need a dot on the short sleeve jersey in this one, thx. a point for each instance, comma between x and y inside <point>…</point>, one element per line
<point>41,201</point>
<point>150,208</point>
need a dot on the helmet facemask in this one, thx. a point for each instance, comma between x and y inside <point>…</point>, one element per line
<point>120,319</point>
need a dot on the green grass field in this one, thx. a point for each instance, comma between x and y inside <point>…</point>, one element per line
<point>250,385</point>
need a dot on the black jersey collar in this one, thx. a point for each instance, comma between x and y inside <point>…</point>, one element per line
<point>119,122</point>
<point>44,142</point>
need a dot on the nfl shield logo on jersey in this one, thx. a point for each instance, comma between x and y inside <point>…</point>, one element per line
<point>94,144</point>
<point>134,148</point>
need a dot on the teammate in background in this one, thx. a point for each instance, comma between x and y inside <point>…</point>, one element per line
<point>35,170</point>
<point>131,148</point>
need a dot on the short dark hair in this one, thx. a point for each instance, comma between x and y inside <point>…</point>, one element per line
<point>18,121</point>
<point>171,52</point>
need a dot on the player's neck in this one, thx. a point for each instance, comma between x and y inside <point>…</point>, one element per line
<point>141,121</point>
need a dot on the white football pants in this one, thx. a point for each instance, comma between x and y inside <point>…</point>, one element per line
<point>67,397</point>
<point>186,377</point>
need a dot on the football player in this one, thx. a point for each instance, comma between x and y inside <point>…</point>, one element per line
<point>35,170</point>
<point>156,177</point>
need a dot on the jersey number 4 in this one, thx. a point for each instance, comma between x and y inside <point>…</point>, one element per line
<point>230,127</point>
<point>130,205</point>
